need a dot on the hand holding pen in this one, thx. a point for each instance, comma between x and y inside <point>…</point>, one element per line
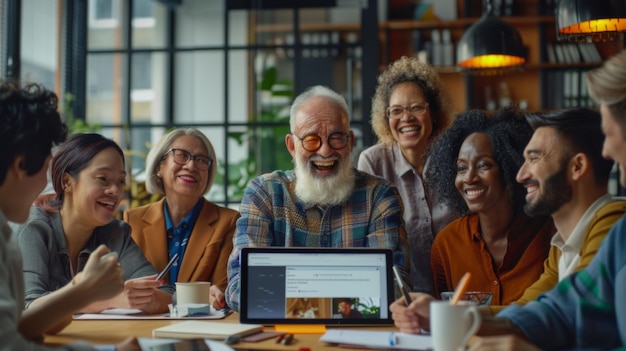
<point>167,267</point>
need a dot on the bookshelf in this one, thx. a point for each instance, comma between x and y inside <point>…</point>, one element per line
<point>545,83</point>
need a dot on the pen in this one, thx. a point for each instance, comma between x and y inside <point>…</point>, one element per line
<point>288,339</point>
<point>232,339</point>
<point>167,268</point>
<point>461,287</point>
<point>393,341</point>
<point>280,338</point>
<point>403,288</point>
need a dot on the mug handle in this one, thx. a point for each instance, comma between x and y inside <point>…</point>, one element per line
<point>476,321</point>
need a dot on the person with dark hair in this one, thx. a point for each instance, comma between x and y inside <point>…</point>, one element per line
<point>324,201</point>
<point>344,307</point>
<point>475,163</point>
<point>566,177</point>
<point>29,126</point>
<point>89,177</point>
<point>586,310</point>
<point>409,110</point>
<point>182,166</point>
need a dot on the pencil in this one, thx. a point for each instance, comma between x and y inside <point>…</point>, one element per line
<point>461,288</point>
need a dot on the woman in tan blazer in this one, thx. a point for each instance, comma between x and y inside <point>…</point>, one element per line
<point>182,167</point>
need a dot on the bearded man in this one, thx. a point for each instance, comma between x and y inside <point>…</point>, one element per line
<point>324,201</point>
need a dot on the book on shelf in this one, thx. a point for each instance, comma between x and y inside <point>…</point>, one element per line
<point>572,53</point>
<point>205,330</point>
<point>551,53</point>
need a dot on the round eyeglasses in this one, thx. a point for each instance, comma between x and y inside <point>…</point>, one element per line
<point>182,157</point>
<point>396,112</point>
<point>313,142</point>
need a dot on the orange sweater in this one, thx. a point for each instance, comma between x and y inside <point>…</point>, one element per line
<point>459,247</point>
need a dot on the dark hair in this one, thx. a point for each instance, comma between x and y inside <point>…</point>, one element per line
<point>74,155</point>
<point>29,126</point>
<point>581,129</point>
<point>509,133</point>
<point>347,300</point>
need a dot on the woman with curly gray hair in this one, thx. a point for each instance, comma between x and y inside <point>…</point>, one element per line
<point>409,109</point>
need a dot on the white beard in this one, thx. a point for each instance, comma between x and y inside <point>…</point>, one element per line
<point>324,191</point>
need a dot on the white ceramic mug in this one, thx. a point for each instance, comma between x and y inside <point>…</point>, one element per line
<point>192,292</point>
<point>451,326</point>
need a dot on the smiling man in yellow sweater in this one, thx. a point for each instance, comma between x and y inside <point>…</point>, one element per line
<point>567,178</point>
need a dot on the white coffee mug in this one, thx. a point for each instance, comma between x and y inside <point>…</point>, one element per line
<point>451,326</point>
<point>192,292</point>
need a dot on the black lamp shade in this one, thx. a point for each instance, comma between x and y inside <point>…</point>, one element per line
<point>591,20</point>
<point>490,43</point>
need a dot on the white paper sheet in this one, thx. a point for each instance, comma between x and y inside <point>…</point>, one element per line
<point>378,339</point>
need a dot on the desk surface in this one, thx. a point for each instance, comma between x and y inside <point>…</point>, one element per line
<point>114,331</point>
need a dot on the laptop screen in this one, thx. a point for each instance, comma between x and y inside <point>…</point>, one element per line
<point>347,286</point>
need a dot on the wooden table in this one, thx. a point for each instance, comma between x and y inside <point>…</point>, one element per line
<point>114,331</point>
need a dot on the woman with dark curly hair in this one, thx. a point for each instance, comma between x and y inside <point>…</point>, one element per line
<point>475,163</point>
<point>409,110</point>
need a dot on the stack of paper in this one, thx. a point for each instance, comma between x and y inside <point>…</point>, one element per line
<point>205,330</point>
<point>378,339</point>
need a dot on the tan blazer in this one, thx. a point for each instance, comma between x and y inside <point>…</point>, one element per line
<point>210,243</point>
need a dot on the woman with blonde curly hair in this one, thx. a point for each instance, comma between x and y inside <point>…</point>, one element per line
<point>410,109</point>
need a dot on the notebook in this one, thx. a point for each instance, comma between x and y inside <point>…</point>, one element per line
<point>330,286</point>
<point>205,330</point>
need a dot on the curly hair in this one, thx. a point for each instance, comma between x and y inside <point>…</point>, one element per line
<point>30,125</point>
<point>509,133</point>
<point>409,69</point>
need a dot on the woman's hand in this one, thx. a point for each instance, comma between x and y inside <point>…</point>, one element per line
<point>216,298</point>
<point>415,317</point>
<point>142,293</point>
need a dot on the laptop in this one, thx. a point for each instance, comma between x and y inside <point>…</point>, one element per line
<point>330,286</point>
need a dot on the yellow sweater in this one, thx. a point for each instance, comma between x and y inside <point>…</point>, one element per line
<point>598,228</point>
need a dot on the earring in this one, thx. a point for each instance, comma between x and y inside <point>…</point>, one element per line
<point>159,175</point>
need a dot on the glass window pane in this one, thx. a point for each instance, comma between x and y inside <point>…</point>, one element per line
<point>149,24</point>
<point>106,84</point>
<point>199,23</point>
<point>216,136</point>
<point>241,168</point>
<point>105,24</point>
<point>199,87</point>
<point>238,84</point>
<point>148,93</point>
<point>238,28</point>
<point>39,43</point>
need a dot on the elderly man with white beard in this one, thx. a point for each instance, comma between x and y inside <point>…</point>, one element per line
<point>324,201</point>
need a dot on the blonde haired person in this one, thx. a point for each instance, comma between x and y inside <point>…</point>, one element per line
<point>409,110</point>
<point>182,166</point>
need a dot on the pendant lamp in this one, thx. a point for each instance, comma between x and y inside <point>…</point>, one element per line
<point>490,46</point>
<point>591,20</point>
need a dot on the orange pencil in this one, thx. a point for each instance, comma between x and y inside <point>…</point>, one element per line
<point>461,288</point>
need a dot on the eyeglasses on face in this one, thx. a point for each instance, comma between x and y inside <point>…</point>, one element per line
<point>182,157</point>
<point>313,142</point>
<point>396,112</point>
